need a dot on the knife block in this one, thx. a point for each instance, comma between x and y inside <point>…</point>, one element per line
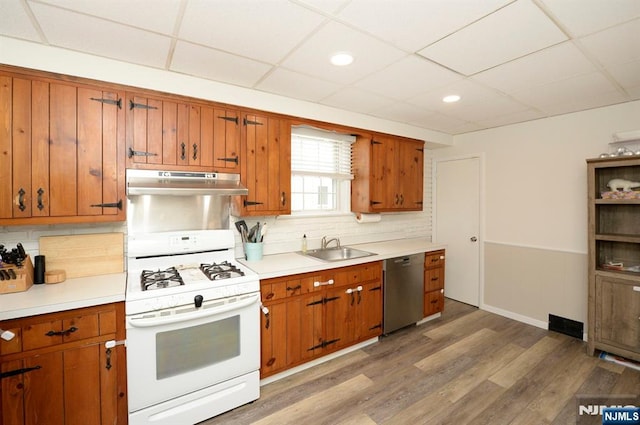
<point>23,280</point>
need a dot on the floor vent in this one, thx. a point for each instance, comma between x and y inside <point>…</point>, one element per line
<point>566,326</point>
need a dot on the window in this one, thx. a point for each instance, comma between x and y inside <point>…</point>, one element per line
<point>320,170</point>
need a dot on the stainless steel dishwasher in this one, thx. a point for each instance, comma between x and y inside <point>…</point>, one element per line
<point>403,291</point>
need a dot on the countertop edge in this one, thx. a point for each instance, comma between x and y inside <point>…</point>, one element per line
<point>68,295</point>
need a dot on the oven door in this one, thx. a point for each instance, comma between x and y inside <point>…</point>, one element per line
<point>180,350</point>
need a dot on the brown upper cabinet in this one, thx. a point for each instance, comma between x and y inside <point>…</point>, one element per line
<point>60,161</point>
<point>266,166</point>
<point>163,133</point>
<point>388,174</point>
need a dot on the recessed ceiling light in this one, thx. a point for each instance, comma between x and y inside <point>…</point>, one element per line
<point>451,98</point>
<point>341,59</point>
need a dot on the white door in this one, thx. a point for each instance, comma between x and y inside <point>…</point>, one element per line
<point>457,216</point>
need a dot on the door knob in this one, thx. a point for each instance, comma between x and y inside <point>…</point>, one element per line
<point>473,239</point>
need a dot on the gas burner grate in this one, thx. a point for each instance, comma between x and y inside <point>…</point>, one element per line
<point>223,270</point>
<point>159,279</point>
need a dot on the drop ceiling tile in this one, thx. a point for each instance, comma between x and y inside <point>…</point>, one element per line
<point>588,16</point>
<point>153,15</point>
<point>401,112</point>
<point>572,105</point>
<point>516,117</point>
<point>102,38</point>
<point>292,84</point>
<point>260,30</point>
<point>412,25</point>
<point>627,75</point>
<point>616,45</point>
<point>204,62</point>
<point>446,124</point>
<point>327,6</point>
<point>407,77</point>
<point>578,92</point>
<point>352,99</point>
<point>312,57</point>
<point>548,65</point>
<point>471,93</point>
<point>15,22</point>
<point>512,32</point>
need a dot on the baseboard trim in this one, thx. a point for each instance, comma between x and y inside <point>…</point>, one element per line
<point>515,316</point>
<point>520,318</point>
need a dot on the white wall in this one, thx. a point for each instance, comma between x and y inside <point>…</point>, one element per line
<point>536,205</point>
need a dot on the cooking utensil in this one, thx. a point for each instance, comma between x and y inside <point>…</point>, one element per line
<point>263,231</point>
<point>241,225</point>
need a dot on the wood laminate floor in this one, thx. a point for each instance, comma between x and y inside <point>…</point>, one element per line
<point>467,367</point>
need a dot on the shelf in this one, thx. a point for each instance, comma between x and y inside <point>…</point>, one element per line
<point>601,201</point>
<point>618,274</point>
<point>615,237</point>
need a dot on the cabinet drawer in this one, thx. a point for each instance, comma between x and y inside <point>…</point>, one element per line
<point>434,259</point>
<point>55,332</point>
<point>275,289</point>
<point>433,279</point>
<point>357,274</point>
<point>433,302</point>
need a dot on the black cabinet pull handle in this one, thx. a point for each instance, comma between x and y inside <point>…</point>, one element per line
<point>40,204</point>
<point>108,365</point>
<point>284,199</point>
<point>117,205</point>
<point>68,332</point>
<point>21,204</point>
<point>195,151</point>
<point>183,152</point>
<point>295,288</point>
<point>18,371</point>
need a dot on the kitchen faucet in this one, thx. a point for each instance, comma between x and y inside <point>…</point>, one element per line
<point>325,242</point>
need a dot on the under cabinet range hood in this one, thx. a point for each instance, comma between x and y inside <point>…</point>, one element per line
<point>183,183</point>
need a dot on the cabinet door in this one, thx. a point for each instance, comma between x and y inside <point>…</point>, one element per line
<point>617,312</point>
<point>369,311</point>
<point>340,317</point>
<point>273,339</point>
<point>383,189</point>
<point>410,175</point>
<point>266,167</point>
<point>226,136</point>
<point>433,302</point>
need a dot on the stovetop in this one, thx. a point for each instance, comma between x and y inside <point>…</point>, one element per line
<point>187,267</point>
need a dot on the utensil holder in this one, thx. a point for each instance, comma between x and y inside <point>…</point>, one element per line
<point>23,279</point>
<point>253,251</point>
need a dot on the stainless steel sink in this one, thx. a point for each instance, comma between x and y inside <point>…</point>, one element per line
<point>337,253</point>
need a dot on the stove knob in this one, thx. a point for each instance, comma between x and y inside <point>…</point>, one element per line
<point>197,300</point>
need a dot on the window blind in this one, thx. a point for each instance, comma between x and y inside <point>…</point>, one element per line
<point>321,153</point>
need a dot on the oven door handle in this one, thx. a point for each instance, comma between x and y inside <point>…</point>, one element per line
<point>200,314</point>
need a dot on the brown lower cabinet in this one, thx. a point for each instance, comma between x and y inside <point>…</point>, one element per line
<point>313,314</point>
<point>434,282</point>
<point>57,369</point>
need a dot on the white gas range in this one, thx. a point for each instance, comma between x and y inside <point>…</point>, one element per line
<point>192,319</point>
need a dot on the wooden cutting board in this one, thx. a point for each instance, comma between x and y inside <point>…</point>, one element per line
<point>84,255</point>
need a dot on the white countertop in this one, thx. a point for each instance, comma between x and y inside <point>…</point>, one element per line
<point>292,263</point>
<point>67,295</point>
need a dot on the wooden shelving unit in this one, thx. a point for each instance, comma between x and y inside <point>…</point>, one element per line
<point>614,258</point>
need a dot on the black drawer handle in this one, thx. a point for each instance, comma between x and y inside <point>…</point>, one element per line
<point>69,331</point>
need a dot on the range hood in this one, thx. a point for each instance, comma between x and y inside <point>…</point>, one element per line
<point>183,183</point>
